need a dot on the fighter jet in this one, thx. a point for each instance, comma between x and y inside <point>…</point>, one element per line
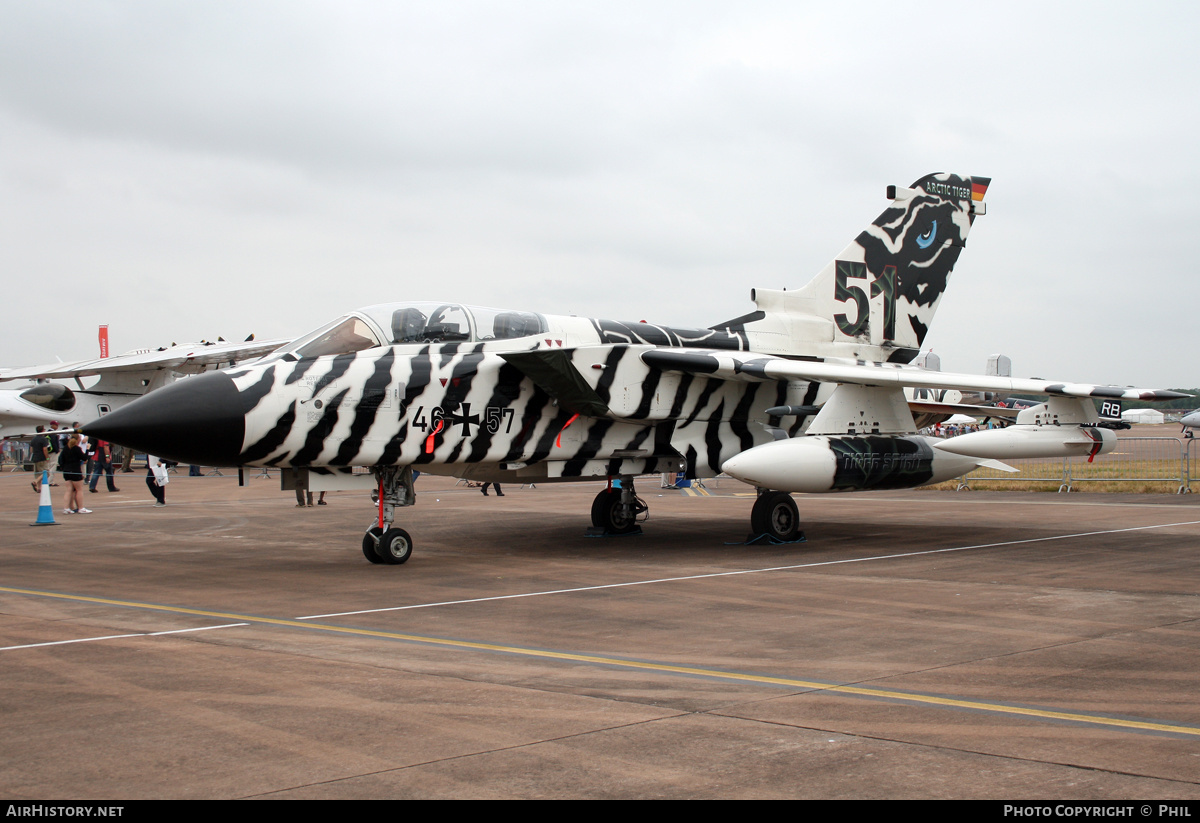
<point>803,394</point>
<point>35,395</point>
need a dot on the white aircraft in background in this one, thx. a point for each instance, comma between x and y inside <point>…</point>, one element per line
<point>803,394</point>
<point>35,396</point>
<point>1191,420</point>
<point>931,406</point>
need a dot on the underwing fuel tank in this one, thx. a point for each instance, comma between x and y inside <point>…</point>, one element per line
<point>1033,441</point>
<point>835,463</point>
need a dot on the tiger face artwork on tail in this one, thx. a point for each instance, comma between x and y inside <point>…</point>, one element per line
<point>882,291</point>
<point>911,251</point>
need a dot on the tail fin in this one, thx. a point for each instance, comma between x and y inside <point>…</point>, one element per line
<point>884,288</point>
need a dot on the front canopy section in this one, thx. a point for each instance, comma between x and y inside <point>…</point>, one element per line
<point>344,336</point>
<point>392,324</point>
<point>50,396</point>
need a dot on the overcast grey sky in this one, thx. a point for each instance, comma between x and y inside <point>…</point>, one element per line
<point>182,170</point>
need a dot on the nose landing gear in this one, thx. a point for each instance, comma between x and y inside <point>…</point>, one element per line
<point>382,543</point>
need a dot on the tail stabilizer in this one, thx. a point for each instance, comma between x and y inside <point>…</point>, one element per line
<point>883,289</point>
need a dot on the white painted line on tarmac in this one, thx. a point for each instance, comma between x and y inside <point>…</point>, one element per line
<point>120,636</point>
<point>920,698</point>
<point>197,629</point>
<point>749,571</point>
<point>64,642</point>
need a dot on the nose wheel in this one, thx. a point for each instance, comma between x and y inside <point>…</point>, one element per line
<point>391,547</point>
<point>382,543</point>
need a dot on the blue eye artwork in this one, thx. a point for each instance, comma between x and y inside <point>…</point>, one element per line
<point>926,240</point>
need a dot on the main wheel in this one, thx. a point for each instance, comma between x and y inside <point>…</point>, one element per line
<point>395,547</point>
<point>610,515</point>
<point>369,544</point>
<point>775,514</point>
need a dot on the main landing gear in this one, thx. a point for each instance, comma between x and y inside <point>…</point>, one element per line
<point>382,543</point>
<point>775,516</point>
<point>616,511</point>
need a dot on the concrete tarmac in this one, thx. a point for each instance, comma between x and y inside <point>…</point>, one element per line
<point>920,645</point>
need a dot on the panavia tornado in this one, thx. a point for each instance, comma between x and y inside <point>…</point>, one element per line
<point>804,394</point>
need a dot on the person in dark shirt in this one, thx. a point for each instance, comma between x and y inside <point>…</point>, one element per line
<point>40,454</point>
<point>102,464</point>
<point>71,463</point>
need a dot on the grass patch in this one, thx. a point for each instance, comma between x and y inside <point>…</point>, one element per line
<point>1129,476</point>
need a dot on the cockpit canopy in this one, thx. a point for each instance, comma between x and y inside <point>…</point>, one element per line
<point>390,324</point>
<point>52,396</point>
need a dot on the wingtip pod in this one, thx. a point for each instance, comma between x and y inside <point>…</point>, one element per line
<point>1155,395</point>
<point>1114,392</point>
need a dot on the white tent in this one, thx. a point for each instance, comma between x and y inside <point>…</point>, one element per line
<point>1142,416</point>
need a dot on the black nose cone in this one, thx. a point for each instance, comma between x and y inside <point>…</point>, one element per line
<point>196,420</point>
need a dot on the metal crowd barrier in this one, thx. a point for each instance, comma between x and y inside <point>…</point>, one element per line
<point>1188,464</point>
<point>1030,470</point>
<point>1135,460</point>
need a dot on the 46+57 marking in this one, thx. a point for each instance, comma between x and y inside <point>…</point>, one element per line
<point>494,417</point>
